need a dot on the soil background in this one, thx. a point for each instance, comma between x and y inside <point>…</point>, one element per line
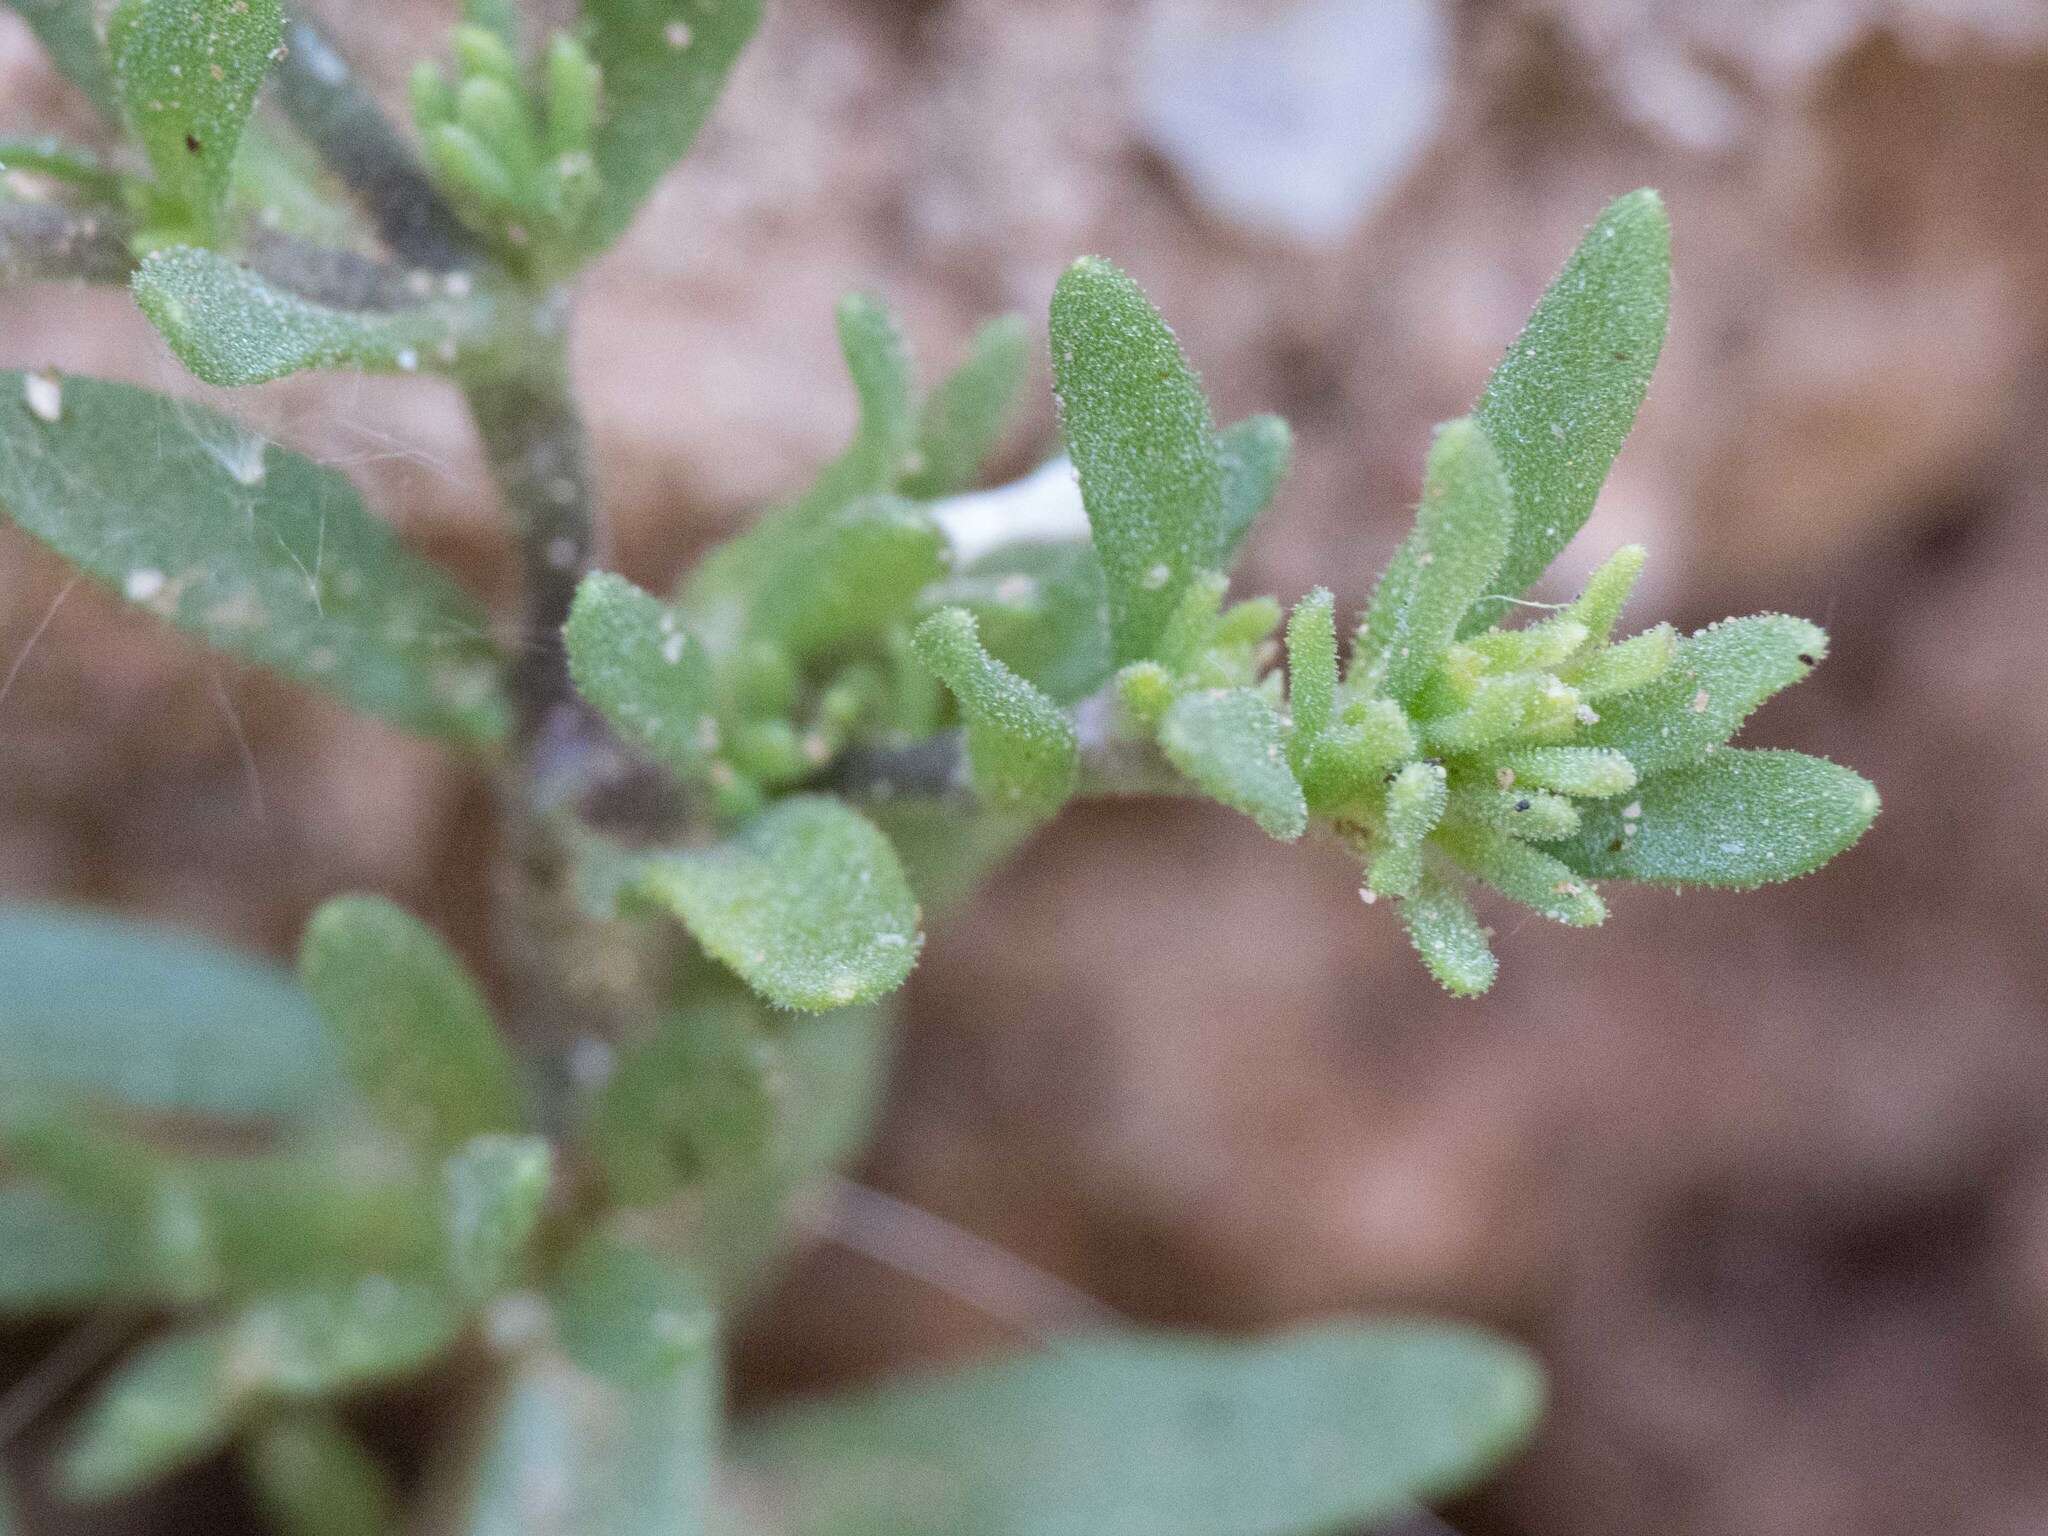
<point>1764,1178</point>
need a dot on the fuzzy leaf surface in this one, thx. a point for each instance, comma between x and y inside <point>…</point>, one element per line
<point>1323,1429</point>
<point>1138,427</point>
<point>257,551</point>
<point>1738,820</point>
<point>1043,610</point>
<point>807,903</point>
<point>1449,937</point>
<point>1563,399</point>
<point>1232,744</point>
<point>631,657</point>
<point>963,418</point>
<point>188,73</point>
<point>1020,744</point>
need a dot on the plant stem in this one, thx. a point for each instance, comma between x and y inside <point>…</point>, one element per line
<point>44,242</point>
<point>320,94</point>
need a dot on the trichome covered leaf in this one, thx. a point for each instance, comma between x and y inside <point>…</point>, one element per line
<point>1232,744</point>
<point>1020,744</point>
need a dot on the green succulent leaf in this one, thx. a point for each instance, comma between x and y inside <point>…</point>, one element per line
<point>1253,455</point>
<point>1139,429</point>
<point>1446,564</point>
<point>1232,744</point>
<point>1715,681</point>
<point>1415,804</point>
<point>1536,879</point>
<point>69,35</point>
<point>188,73</point>
<point>1323,1429</point>
<point>54,1256</point>
<point>1597,773</point>
<point>852,577</point>
<point>807,903</point>
<point>414,1034</point>
<point>254,550</point>
<point>631,657</point>
<point>1043,611</point>
<point>1449,937</point>
<point>628,1317</point>
<point>144,1016</point>
<point>664,62</point>
<point>492,1188</point>
<point>963,418</point>
<point>61,162</point>
<point>1598,608</point>
<point>173,1401</point>
<point>312,1477</point>
<point>567,1451</point>
<point>1020,744</point>
<point>1311,672</point>
<point>1738,820</point>
<point>1563,399</point>
<point>231,327</point>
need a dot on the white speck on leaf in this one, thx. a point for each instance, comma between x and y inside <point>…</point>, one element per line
<point>44,395</point>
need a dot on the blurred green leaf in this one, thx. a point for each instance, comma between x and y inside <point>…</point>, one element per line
<point>807,903</point>
<point>232,327</point>
<point>1253,455</point>
<point>628,1317</point>
<point>69,35</point>
<point>492,1188</point>
<point>188,72</point>
<point>1715,681</point>
<point>339,1338</point>
<point>160,1020</point>
<point>1449,937</point>
<point>1019,743</point>
<point>664,62</point>
<point>171,1402</point>
<point>568,1452</point>
<point>631,657</point>
<point>1324,1429</point>
<point>312,1477</point>
<point>415,1035</point>
<point>1447,563</point>
<point>257,551</point>
<point>1563,399</point>
<point>1232,745</point>
<point>1738,820</point>
<point>850,578</point>
<point>1043,611</point>
<point>962,420</point>
<point>61,162</point>
<point>1138,427</point>
<point>54,1256</point>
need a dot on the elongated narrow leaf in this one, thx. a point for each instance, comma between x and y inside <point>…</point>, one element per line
<point>491,1193</point>
<point>1738,820</point>
<point>1043,609</point>
<point>312,1477</point>
<point>664,62</point>
<point>61,162</point>
<point>963,419</point>
<point>54,1256</point>
<point>231,327</point>
<point>257,551</point>
<point>188,72</point>
<point>1538,880</point>
<point>807,904</point>
<point>1715,681</point>
<point>1233,746</point>
<point>1563,399</point>
<point>1445,565</point>
<point>1449,937</point>
<point>1599,607</point>
<point>1138,427</point>
<point>68,34</point>
<point>631,657</point>
<point>413,1032</point>
<point>1254,455</point>
<point>172,1402</point>
<point>566,1451</point>
<point>1325,1429</point>
<point>145,1016</point>
<point>1595,772</point>
<point>627,1316</point>
<point>1415,804</point>
<point>1020,744</point>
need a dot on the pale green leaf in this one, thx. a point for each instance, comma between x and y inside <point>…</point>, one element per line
<point>807,903</point>
<point>664,62</point>
<point>173,1401</point>
<point>414,1034</point>
<point>850,578</point>
<point>630,656</point>
<point>1138,427</point>
<point>1020,744</point>
<point>61,162</point>
<point>1415,804</point>
<point>962,420</point>
<point>627,1316</point>
<point>1536,879</point>
<point>1445,565</point>
<point>1331,1428</point>
<point>1449,937</point>
<point>1738,820</point>
<point>1233,746</point>
<point>492,1188</point>
<point>312,1477</point>
<point>68,34</point>
<point>311,1343</point>
<point>188,73</point>
<point>149,1017</point>
<point>1311,672</point>
<point>1563,399</point>
<point>1715,681</point>
<point>1253,455</point>
<point>256,551</point>
<point>1595,772</point>
<point>1598,608</point>
<point>54,1255</point>
<point>232,327</point>
<point>1043,610</point>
